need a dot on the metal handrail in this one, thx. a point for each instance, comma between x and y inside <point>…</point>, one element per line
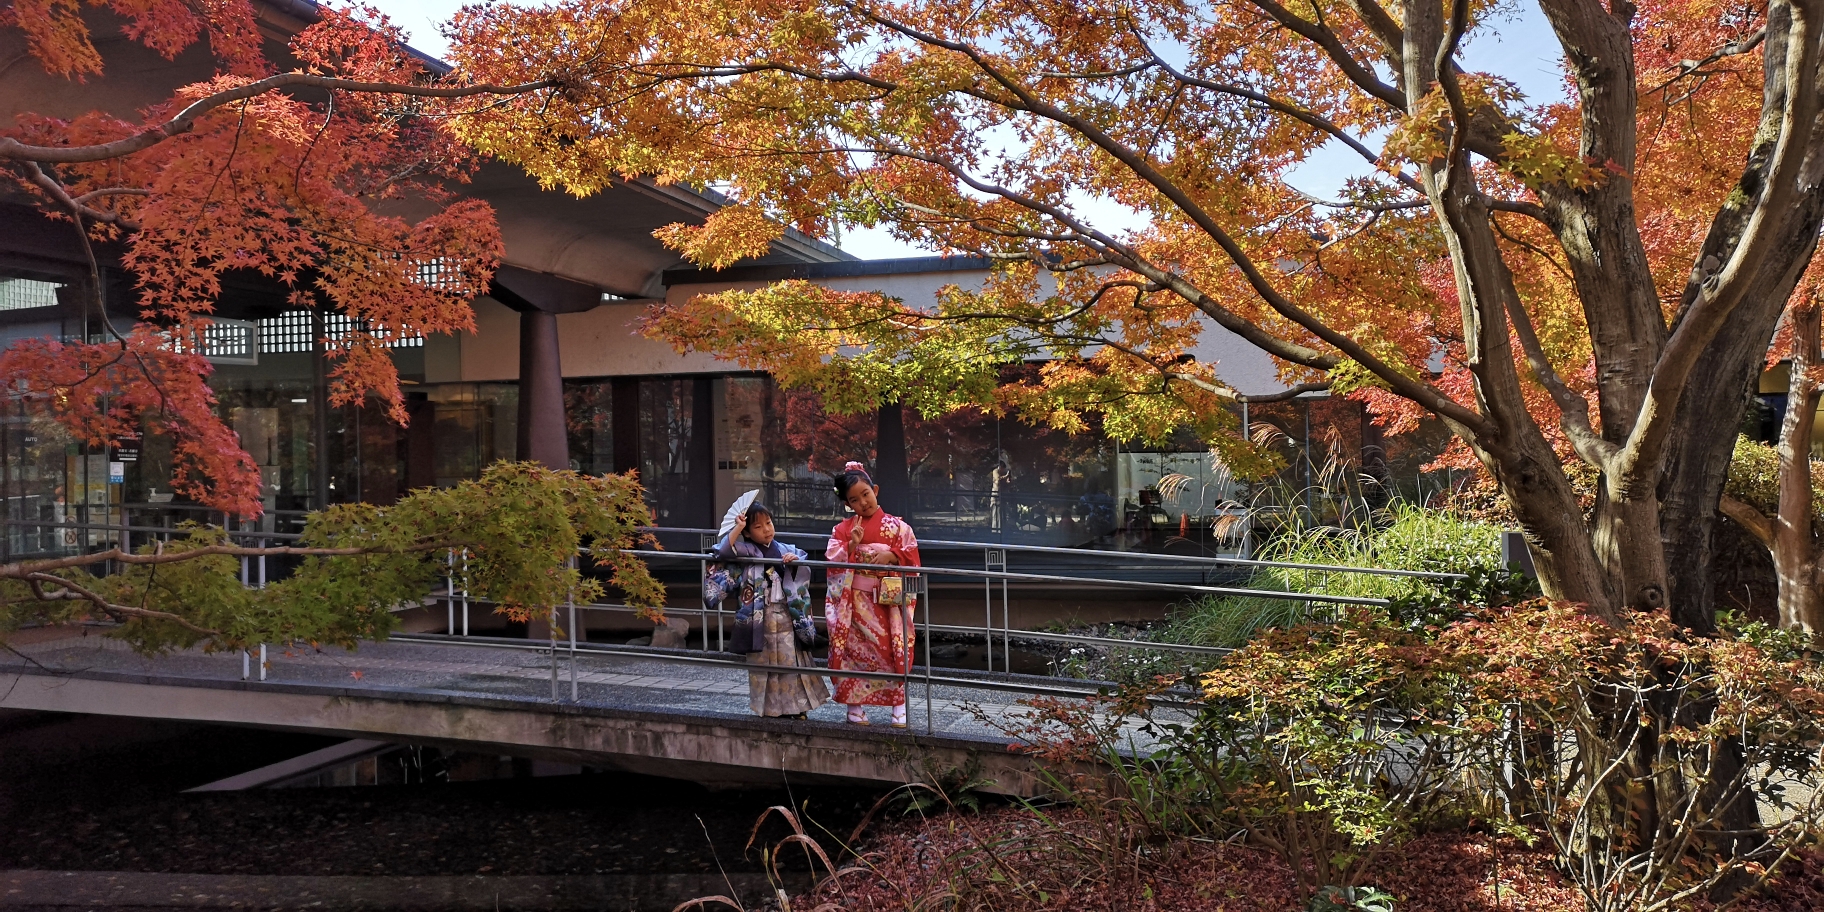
<point>1127,555</point>
<point>1028,577</point>
<point>171,530</point>
<point>1092,640</point>
<point>1085,639</point>
<point>199,508</point>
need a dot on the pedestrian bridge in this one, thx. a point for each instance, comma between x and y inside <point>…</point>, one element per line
<point>659,712</point>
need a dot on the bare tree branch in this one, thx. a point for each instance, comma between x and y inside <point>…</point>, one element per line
<point>1332,45</point>
<point>1752,521</point>
<point>76,205</point>
<point>69,590</point>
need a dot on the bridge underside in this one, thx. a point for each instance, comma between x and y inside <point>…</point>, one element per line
<point>689,741</point>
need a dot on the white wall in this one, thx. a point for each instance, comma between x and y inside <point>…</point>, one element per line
<point>605,342</point>
<point>1246,368</point>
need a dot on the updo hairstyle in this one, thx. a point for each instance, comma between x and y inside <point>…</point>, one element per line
<point>845,480</point>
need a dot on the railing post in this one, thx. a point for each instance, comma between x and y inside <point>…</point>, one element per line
<point>705,542</point>
<point>1006,621</point>
<point>449,591</point>
<point>923,586</point>
<point>988,607</point>
<point>553,619</point>
<point>573,698</point>
<point>246,665</point>
<point>994,560</point>
<point>465,592</point>
<point>262,661</point>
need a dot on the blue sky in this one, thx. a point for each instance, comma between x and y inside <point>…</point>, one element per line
<point>1519,46</point>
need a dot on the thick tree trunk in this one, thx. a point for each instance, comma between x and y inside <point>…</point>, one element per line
<point>1795,551</point>
<point>1798,560</point>
<point>1512,446</point>
<point>1697,463</point>
<point>1698,468</point>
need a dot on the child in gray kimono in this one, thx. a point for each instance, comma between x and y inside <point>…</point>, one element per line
<point>774,599</point>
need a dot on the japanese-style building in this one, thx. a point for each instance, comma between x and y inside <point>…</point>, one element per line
<point>557,372</point>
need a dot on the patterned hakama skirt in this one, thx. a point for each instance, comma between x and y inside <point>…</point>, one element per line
<point>783,694</point>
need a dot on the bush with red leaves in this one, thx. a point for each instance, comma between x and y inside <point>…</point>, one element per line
<point>1021,859</point>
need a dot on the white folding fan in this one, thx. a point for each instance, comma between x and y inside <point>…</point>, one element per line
<point>739,507</point>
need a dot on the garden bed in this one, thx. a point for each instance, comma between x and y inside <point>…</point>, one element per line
<point>1018,858</point>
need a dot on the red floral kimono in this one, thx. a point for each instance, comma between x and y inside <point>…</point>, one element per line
<point>864,635</point>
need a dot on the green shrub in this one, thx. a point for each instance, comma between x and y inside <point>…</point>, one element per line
<point>1412,538</point>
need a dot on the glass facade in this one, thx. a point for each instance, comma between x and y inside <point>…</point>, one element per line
<point>697,441</point>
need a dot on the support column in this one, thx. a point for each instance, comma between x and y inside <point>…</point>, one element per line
<point>319,407</point>
<point>539,298</point>
<point>541,392</point>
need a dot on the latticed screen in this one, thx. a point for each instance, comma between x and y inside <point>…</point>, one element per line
<point>231,342</point>
<point>434,274</point>
<point>21,294</point>
<point>290,332</point>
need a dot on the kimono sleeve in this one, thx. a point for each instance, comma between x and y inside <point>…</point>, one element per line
<point>837,551</point>
<point>906,549</point>
<point>719,580</point>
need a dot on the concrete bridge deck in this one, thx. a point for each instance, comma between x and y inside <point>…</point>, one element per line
<point>633,712</point>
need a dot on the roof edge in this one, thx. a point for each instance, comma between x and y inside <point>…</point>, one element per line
<point>844,269</point>
<point>310,11</point>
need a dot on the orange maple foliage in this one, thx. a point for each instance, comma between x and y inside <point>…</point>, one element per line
<point>256,171</point>
<point>1594,279</point>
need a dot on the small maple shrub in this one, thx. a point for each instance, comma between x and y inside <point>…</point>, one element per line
<point>521,524</point>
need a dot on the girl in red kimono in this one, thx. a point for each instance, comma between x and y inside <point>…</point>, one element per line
<point>864,634</point>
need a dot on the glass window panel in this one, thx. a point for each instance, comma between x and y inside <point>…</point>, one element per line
<point>589,425</point>
<point>667,445</point>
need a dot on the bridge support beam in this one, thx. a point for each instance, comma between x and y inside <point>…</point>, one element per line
<point>731,750</point>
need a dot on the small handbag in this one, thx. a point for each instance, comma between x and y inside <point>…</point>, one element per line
<point>892,591</point>
<point>804,630</point>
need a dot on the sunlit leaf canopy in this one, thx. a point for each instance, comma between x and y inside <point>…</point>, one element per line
<point>1013,130</point>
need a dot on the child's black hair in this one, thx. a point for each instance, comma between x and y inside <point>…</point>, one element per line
<point>757,509</point>
<point>846,480</point>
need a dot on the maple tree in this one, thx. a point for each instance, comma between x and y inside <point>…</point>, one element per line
<point>1593,280</point>
<point>254,169</point>
<point>286,174</point>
